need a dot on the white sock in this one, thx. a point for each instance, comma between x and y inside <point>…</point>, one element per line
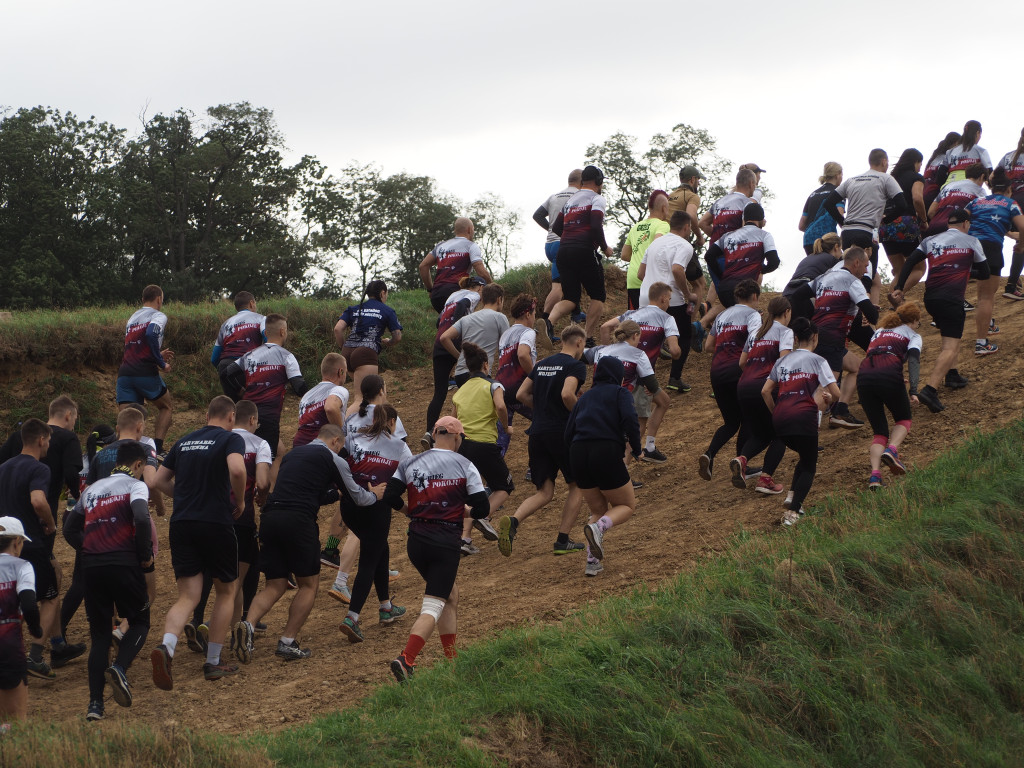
<point>287,640</point>
<point>981,341</point>
<point>341,580</point>
<point>213,653</point>
<point>386,605</point>
<point>170,642</point>
<point>354,616</point>
<point>650,443</point>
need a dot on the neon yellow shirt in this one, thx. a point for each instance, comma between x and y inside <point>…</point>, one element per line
<point>476,410</point>
<point>640,236</point>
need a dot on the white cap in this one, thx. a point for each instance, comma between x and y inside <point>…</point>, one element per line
<point>11,526</point>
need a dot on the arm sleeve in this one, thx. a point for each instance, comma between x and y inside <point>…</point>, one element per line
<point>330,496</point>
<point>541,217</point>
<point>74,526</point>
<point>215,355</point>
<point>870,310</point>
<point>298,385</point>
<point>711,257</point>
<point>393,493</point>
<point>153,340</point>
<point>143,533</point>
<point>831,206</point>
<point>30,612</point>
<point>597,228</point>
<point>628,420</point>
<point>479,505</point>
<point>914,369</point>
<point>72,463</point>
<point>559,226</point>
<point>650,383</point>
<point>771,262</point>
<point>235,376</point>
<point>908,266</point>
<point>693,270</point>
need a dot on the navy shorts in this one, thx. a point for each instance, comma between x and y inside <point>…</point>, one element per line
<point>139,389</point>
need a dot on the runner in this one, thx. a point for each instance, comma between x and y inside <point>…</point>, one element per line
<point>670,260</point>
<point>806,386</point>
<point>483,328</point>
<point>311,475</point>
<point>480,406</point>
<point>950,256</point>
<point>966,153</point>
<point>601,423</point>
<point>684,199</point>
<point>954,195</point>
<point>935,171</point>
<point>368,321</point>
<point>205,474</point>
<point>1013,164</point>
<point>580,225</point>
<point>880,386</point>
<point>772,341</point>
<point>240,333</point>
<point>459,304</point>
<point>729,335</point>
<point>815,221</point>
<point>374,453</point>
<point>825,254</point>
<point>550,391</point>
<point>24,481</point>
<point>441,485</point>
<point>110,527</point>
<point>639,238</point>
<point>745,253</point>
<point>454,259</point>
<point>138,378</point>
<point>517,354</point>
<point>900,234</point>
<point>545,216</point>
<point>17,604</point>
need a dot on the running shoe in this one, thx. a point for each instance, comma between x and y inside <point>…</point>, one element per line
<point>393,575</point>
<point>528,476</point>
<point>875,482</point>
<point>655,456</point>
<point>402,669</point>
<point>697,338</point>
<point>930,398</point>
<point>843,418</point>
<point>351,630</point>
<point>955,380</point>
<point>891,459</point>
<point>260,628</point>
<point>664,354</point>
<point>40,669</point>
<point>551,331</point>
<point>65,652</point>
<point>790,518</point>
<point>342,594</point>
<point>677,385</point>
<point>484,526</point>
<point>594,535</point>
<point>968,307</point>
<point>739,472</point>
<point>290,582</point>
<point>427,441</point>
<point>506,532</point>
<point>390,617</point>
<point>161,659</point>
<point>984,348</point>
<point>993,329</point>
<point>765,484</point>
<point>590,343</point>
<point>194,640</point>
<point>569,547</point>
<point>452,385</point>
<point>593,569</point>
<point>788,500</point>
<point>217,671</point>
<point>579,317</point>
<point>1013,292</point>
<point>118,685</point>
<point>753,472</point>
<point>95,711</point>
<point>469,548</point>
<point>637,485</point>
<point>331,557</point>
<point>704,466</point>
<point>291,651</point>
<point>242,638</point>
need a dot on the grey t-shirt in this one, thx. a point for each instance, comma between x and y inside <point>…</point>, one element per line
<point>483,328</point>
<point>554,205</point>
<point>866,196</point>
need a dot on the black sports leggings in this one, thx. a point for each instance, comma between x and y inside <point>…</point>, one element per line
<point>110,588</point>
<point>729,406</point>
<point>443,364</point>
<point>72,597</point>
<point>875,396</point>
<point>683,321</point>
<point>760,430</point>
<point>806,447</point>
<point>371,525</point>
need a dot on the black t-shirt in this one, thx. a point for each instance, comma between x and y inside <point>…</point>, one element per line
<point>202,484</point>
<point>18,478</point>
<point>64,458</point>
<point>906,179</point>
<point>548,376</point>
<point>810,267</point>
<point>103,463</point>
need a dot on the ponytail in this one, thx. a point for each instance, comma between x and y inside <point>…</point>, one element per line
<point>777,307</point>
<point>803,329</point>
<point>972,128</point>
<point>383,415</point>
<point>1020,148</point>
<point>370,388</point>
<point>825,243</point>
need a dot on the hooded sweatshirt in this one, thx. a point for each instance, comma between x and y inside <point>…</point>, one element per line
<point>605,411</point>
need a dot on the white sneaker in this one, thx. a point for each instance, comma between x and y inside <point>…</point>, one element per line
<point>484,526</point>
<point>789,500</point>
<point>593,569</point>
<point>341,594</point>
<point>593,534</point>
<point>427,441</point>
<point>790,518</point>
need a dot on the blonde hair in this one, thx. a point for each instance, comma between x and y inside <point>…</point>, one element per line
<point>826,243</point>
<point>626,330</point>
<point>830,171</point>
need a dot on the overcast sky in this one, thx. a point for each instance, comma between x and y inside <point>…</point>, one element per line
<point>506,98</point>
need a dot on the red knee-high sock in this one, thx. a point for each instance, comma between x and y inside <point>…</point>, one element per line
<point>413,647</point>
<point>448,644</point>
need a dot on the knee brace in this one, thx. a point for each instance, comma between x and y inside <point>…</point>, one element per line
<point>905,423</point>
<point>880,440</point>
<point>432,606</point>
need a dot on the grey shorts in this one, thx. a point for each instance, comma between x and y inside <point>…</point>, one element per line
<point>643,401</point>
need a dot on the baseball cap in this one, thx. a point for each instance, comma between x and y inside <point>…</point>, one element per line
<point>451,425</point>
<point>959,216</point>
<point>689,171</point>
<point>592,173</point>
<point>11,527</point>
<point>753,212</point>
<point>476,280</point>
<point>753,167</point>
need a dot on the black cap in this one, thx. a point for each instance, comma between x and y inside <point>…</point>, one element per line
<point>688,172</point>
<point>959,216</point>
<point>476,280</point>
<point>592,173</point>
<point>753,212</point>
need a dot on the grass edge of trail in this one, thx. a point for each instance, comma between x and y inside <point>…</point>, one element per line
<point>885,628</point>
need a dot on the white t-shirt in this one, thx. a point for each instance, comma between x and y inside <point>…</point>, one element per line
<point>659,257</point>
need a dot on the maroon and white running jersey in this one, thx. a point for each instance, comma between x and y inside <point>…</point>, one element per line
<point>576,217</point>
<point>267,371</point>
<point>635,363</point>
<point>312,415</point>
<point>950,256</point>
<point>836,296</point>
<point>887,352</point>
<point>960,159</point>
<point>241,333</point>
<point>139,358</point>
<point>930,172</point>
<point>373,460</point>
<point>438,483</point>
<point>744,251</point>
<point>355,422</point>
<point>956,194</point>
<point>16,575</point>
<point>656,325</point>
<point>727,214</point>
<point>510,373</point>
<point>798,374</point>
<point>731,330</point>
<point>257,451</point>
<point>763,353</point>
<point>455,258</point>
<point>1014,172</point>
<point>109,520</point>
<point>447,317</point>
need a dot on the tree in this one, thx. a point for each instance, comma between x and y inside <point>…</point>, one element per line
<point>497,227</point>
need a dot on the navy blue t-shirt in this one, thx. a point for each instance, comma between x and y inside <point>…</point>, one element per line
<point>549,412</point>
<point>819,222</point>
<point>202,485</point>
<point>368,322</point>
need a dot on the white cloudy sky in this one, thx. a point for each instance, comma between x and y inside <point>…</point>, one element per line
<point>505,98</point>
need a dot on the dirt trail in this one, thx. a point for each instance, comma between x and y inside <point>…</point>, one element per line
<point>680,519</point>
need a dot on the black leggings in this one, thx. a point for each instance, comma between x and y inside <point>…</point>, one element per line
<point>684,322</point>
<point>1016,267</point>
<point>371,525</point>
<point>760,430</point>
<point>443,364</point>
<point>437,564</point>
<point>109,587</point>
<point>72,597</point>
<point>806,447</point>
<point>876,396</point>
<point>729,405</point>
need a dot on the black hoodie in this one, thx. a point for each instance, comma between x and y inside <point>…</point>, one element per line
<point>605,411</point>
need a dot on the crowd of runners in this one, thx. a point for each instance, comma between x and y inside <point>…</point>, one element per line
<point>246,501</point>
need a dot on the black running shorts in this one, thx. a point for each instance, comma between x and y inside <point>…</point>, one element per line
<point>270,430</point>
<point>289,544</point>
<point>851,237</point>
<point>948,314</point>
<point>46,577</point>
<point>438,565</point>
<point>549,455</point>
<point>994,256</point>
<point>248,544</point>
<point>581,270</point>
<point>486,457</point>
<point>833,355</point>
<point>598,464</point>
<point>13,670</point>
<point>198,547</point>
